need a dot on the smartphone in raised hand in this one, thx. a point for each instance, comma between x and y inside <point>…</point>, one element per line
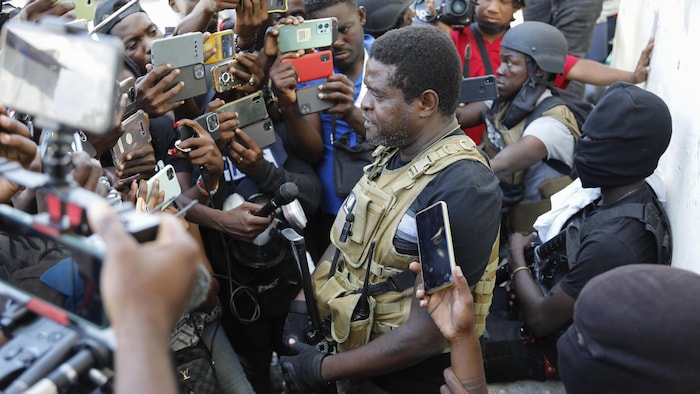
<point>435,250</point>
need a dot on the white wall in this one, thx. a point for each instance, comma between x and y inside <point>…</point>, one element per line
<point>674,77</point>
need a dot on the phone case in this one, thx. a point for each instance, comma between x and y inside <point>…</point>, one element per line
<point>308,101</point>
<point>85,9</point>
<point>223,42</point>
<point>186,53</point>
<point>209,122</point>
<point>313,33</point>
<point>136,133</point>
<point>435,248</point>
<point>221,78</point>
<point>478,89</point>
<point>167,182</point>
<point>262,132</point>
<point>315,65</point>
<point>178,51</point>
<point>250,108</point>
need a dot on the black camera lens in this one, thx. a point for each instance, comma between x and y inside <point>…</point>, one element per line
<point>458,7</point>
<point>213,122</point>
<point>326,25</point>
<point>170,173</point>
<point>320,26</point>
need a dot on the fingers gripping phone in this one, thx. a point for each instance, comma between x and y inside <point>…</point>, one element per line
<point>185,52</point>
<point>209,122</point>
<point>167,182</point>
<point>222,41</point>
<point>315,65</point>
<point>253,118</point>
<point>136,133</point>
<point>308,101</point>
<point>478,89</point>
<point>313,33</point>
<point>435,249</point>
<point>223,80</point>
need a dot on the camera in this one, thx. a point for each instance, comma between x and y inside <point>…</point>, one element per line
<point>457,13</point>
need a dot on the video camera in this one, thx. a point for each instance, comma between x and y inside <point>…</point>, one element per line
<point>457,13</point>
<point>49,282</point>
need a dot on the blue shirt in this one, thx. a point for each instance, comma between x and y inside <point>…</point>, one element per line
<point>330,202</point>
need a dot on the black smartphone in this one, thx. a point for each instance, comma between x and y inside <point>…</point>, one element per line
<point>478,89</point>
<point>308,101</point>
<point>209,122</point>
<point>435,250</point>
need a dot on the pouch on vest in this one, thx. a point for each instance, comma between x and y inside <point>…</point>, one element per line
<point>350,334</point>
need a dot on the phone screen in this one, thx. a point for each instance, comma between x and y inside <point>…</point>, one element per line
<point>63,271</point>
<point>435,246</point>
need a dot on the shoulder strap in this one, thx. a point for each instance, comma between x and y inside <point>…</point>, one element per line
<point>651,214</point>
<point>482,49</point>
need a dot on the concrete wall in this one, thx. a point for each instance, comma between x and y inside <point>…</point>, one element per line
<point>674,77</point>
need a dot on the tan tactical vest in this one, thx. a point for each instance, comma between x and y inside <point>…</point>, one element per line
<point>522,216</point>
<point>378,202</point>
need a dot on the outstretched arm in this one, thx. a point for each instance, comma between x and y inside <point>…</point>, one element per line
<point>595,73</point>
<point>452,310</point>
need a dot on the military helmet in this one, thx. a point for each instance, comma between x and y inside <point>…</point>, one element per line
<point>541,41</point>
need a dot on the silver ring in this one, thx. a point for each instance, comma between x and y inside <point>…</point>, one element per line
<point>240,159</point>
<point>251,81</point>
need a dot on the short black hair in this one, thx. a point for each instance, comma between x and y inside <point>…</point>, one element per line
<point>424,58</point>
<point>311,6</point>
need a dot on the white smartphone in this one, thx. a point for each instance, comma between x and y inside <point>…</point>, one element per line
<point>435,250</point>
<point>167,182</point>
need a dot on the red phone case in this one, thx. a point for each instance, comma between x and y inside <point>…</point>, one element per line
<point>311,66</point>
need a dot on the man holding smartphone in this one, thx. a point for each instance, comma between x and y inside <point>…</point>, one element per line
<point>410,114</point>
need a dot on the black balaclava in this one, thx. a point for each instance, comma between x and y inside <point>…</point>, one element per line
<point>624,137</point>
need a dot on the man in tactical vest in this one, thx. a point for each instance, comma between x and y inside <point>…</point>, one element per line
<point>623,139</point>
<point>423,157</point>
<point>530,140</point>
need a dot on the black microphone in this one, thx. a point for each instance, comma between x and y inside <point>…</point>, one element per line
<point>286,193</point>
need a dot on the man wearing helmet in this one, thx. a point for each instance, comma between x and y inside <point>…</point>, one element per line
<point>530,150</point>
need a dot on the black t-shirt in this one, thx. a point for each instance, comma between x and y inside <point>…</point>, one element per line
<point>618,242</point>
<point>473,199</point>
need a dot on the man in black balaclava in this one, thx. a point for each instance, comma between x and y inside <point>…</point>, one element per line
<point>624,137</point>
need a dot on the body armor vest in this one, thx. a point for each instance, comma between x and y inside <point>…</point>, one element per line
<point>378,201</point>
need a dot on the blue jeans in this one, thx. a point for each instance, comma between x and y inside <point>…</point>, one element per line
<point>229,372</point>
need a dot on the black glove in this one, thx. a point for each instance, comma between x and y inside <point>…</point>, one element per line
<point>296,322</point>
<point>302,372</point>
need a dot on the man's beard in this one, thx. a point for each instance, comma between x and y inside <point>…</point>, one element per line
<point>399,139</point>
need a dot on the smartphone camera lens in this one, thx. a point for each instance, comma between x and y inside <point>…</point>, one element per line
<point>170,173</point>
<point>212,122</point>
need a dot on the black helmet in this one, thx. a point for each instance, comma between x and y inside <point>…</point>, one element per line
<point>541,41</point>
<point>383,15</point>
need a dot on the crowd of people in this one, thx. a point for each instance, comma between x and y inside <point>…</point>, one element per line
<point>559,194</point>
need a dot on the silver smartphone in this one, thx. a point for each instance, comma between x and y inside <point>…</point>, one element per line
<point>435,250</point>
<point>312,33</point>
<point>185,52</point>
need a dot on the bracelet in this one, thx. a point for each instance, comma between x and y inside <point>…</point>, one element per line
<point>203,188</point>
<point>515,271</point>
<point>251,48</point>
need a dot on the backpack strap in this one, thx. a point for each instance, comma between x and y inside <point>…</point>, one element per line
<point>651,214</point>
<point>482,48</point>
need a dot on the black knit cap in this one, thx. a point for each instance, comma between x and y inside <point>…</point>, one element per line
<point>634,331</point>
<point>105,8</point>
<point>625,135</point>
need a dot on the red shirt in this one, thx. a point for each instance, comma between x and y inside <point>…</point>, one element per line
<point>464,39</point>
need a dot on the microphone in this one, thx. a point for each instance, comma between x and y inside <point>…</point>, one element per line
<point>67,374</point>
<point>286,193</point>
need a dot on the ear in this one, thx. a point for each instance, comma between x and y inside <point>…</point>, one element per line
<point>538,72</point>
<point>362,12</point>
<point>427,103</point>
